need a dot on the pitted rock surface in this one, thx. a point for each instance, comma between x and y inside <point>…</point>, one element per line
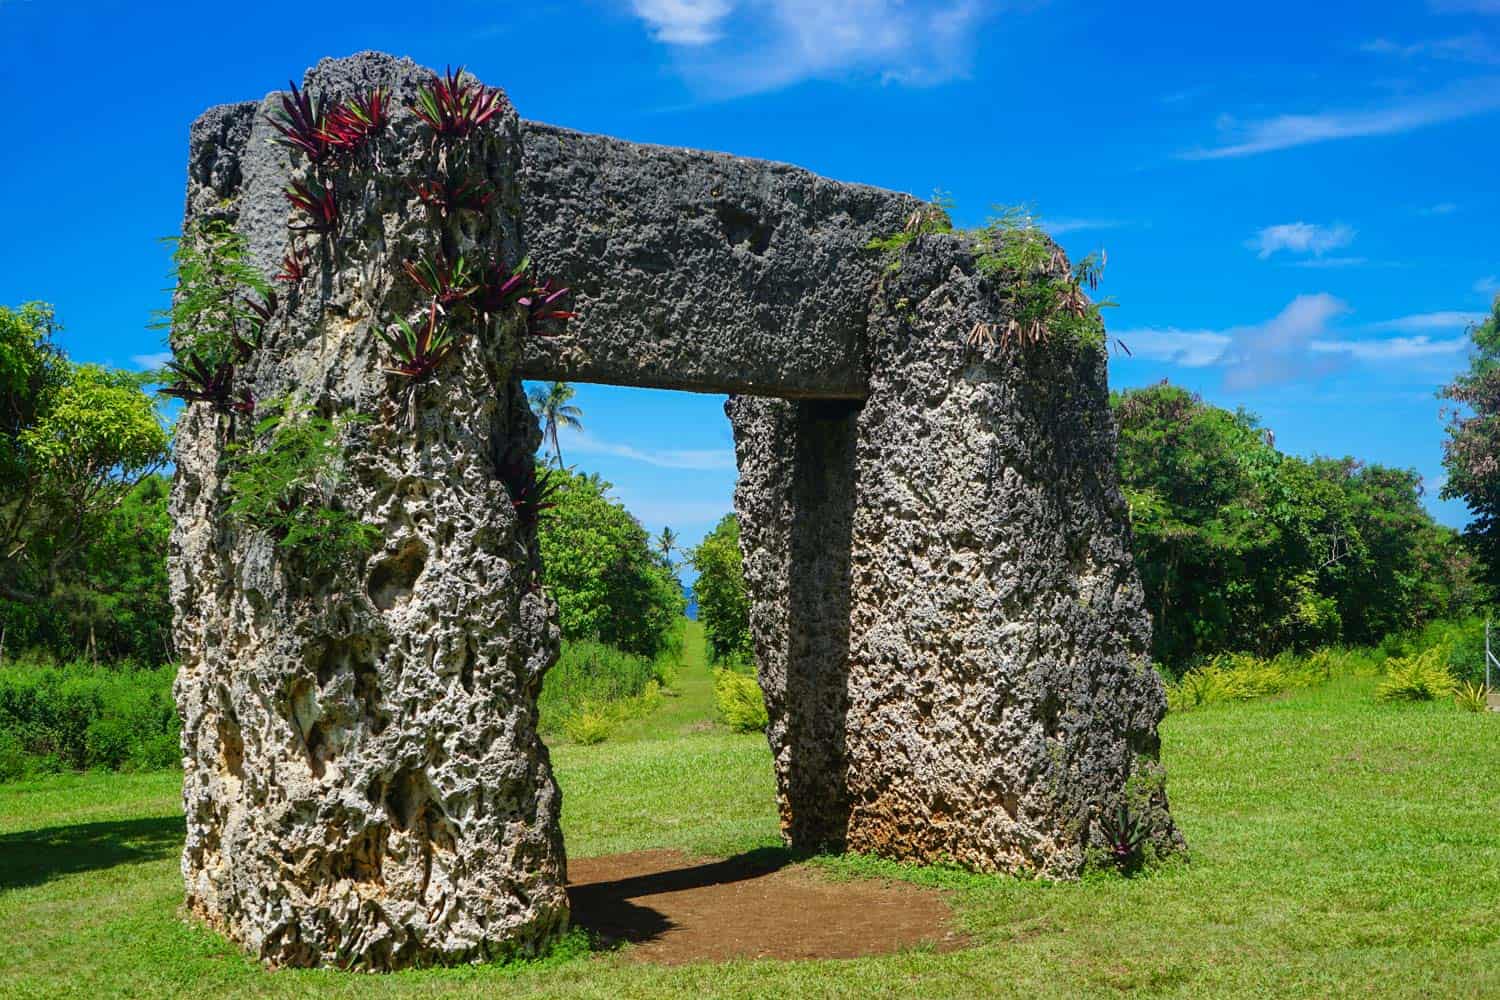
<point>948,625</point>
<point>364,783</point>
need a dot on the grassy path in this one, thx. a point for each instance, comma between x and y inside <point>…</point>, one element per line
<point>1341,848</point>
<point>690,707</point>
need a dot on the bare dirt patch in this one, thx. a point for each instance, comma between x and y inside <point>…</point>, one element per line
<point>677,909</point>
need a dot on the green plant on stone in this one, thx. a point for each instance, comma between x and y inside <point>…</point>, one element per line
<point>1040,290</point>
<point>285,487</point>
<point>1471,697</point>
<point>929,217</point>
<point>210,310</point>
<point>1125,834</point>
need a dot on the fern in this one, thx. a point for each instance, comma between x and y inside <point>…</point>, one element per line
<point>285,488</point>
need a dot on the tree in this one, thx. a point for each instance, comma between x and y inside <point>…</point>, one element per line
<point>598,563</point>
<point>77,440</point>
<point>1241,547</point>
<point>551,405</point>
<point>1471,454</point>
<point>666,544</point>
<point>723,606</point>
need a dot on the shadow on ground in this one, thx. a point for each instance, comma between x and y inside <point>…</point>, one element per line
<point>670,909</point>
<point>605,910</point>
<point>32,857</point>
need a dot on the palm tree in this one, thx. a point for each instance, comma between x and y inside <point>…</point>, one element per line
<point>666,544</point>
<point>550,404</point>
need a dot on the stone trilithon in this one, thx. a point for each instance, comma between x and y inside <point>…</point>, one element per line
<point>948,625</point>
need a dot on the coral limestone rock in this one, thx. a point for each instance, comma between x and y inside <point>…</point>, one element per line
<point>365,786</point>
<point>949,629</point>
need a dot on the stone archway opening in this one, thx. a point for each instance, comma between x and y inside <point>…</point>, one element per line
<point>947,620</point>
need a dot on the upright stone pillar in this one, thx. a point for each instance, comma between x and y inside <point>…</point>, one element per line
<point>948,623</point>
<point>364,783</point>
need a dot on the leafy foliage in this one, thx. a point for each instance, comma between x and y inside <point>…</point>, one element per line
<point>740,702</point>
<point>723,606</point>
<point>75,440</point>
<point>930,217</point>
<point>1421,677</point>
<point>447,285</point>
<point>454,106</point>
<point>80,715</point>
<point>220,297</point>
<point>1235,677</point>
<point>593,687</point>
<point>1471,697</point>
<point>1240,547</point>
<point>285,488</point>
<point>1125,834</point>
<point>552,406</point>
<point>419,352</point>
<point>353,123</point>
<point>597,563</point>
<point>451,196</point>
<point>301,122</point>
<point>1471,453</point>
<point>319,207</point>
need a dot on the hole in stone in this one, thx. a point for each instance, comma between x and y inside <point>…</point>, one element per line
<point>362,859</point>
<point>466,672</point>
<point>367,693</point>
<point>317,750</point>
<point>404,798</point>
<point>392,579</point>
<point>743,229</point>
<point>231,746</point>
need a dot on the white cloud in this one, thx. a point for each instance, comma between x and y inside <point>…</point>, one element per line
<point>1473,97</point>
<point>1418,322</point>
<point>1325,263</point>
<point>151,362</point>
<point>1188,348</point>
<point>1441,208</point>
<point>1472,47</point>
<point>1057,227</point>
<point>683,22</point>
<point>1392,349</point>
<point>1301,237</point>
<point>1488,286</point>
<point>1280,349</point>
<point>581,442</point>
<point>733,47</point>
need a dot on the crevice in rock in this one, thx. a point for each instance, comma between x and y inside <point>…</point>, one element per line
<point>743,229</point>
<point>393,578</point>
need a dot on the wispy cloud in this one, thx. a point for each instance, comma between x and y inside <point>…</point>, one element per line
<point>1188,348</point>
<point>1301,238</point>
<point>728,48</point>
<point>1392,348</point>
<point>1430,321</point>
<point>1441,208</point>
<point>1465,100</point>
<point>1324,263</point>
<point>1472,47</point>
<point>1059,227</point>
<point>1488,286</point>
<point>1465,6</point>
<point>150,362</point>
<point>684,22</point>
<point>581,442</point>
<point>1299,343</point>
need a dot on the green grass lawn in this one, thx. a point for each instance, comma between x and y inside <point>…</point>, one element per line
<point>1339,848</point>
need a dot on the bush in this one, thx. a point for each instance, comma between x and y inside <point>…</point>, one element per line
<point>595,687</point>
<point>1242,677</point>
<point>1471,697</point>
<point>598,563</point>
<point>1421,677</point>
<point>723,605</point>
<point>81,715</point>
<point>740,701</point>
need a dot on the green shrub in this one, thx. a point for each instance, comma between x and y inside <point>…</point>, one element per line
<point>741,704</point>
<point>1471,697</point>
<point>723,606</point>
<point>588,727</point>
<point>1235,677</point>
<point>81,715</point>
<point>1421,677</point>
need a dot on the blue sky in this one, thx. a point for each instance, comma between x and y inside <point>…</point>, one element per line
<point>1297,199</point>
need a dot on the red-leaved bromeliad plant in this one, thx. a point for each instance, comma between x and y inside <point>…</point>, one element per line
<point>455,106</point>
<point>420,350</point>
